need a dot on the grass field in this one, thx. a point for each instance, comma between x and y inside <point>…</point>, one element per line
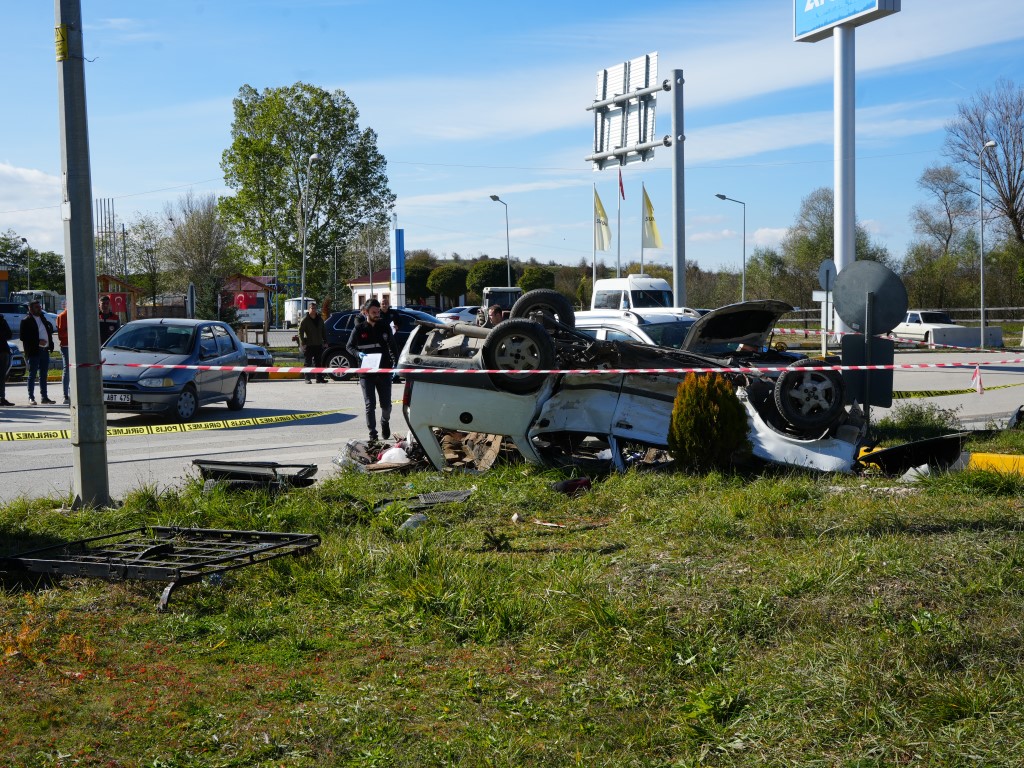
<point>777,618</point>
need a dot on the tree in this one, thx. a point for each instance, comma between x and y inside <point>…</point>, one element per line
<point>811,240</point>
<point>536,277</point>
<point>197,250</point>
<point>145,253</point>
<point>280,189</point>
<point>583,293</point>
<point>935,267</point>
<point>449,281</point>
<point>416,277</point>
<point>486,273</point>
<point>996,115</point>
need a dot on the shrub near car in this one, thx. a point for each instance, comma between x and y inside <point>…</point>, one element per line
<point>177,392</point>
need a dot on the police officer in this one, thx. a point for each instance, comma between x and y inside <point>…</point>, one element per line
<point>375,337</point>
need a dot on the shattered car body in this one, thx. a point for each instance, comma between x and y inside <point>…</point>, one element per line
<point>796,415</point>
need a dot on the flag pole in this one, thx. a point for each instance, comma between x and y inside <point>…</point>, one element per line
<point>593,260</point>
<point>643,214</point>
<point>618,228</point>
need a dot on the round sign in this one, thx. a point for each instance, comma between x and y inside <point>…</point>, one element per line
<point>827,275</point>
<point>852,287</point>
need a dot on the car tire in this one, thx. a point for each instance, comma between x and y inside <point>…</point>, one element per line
<point>237,401</point>
<point>810,400</point>
<point>339,360</point>
<point>542,304</point>
<point>187,405</point>
<point>518,344</point>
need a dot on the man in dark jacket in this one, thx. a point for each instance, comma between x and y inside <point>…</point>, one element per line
<point>311,341</point>
<point>374,337</point>
<point>5,359</point>
<point>37,341</point>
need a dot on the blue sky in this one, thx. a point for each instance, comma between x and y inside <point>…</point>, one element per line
<point>473,99</point>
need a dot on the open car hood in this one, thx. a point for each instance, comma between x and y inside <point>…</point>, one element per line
<point>723,330</point>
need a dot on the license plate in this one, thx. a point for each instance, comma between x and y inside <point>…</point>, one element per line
<point>116,397</point>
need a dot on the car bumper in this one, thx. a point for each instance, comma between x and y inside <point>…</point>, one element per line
<point>141,401</point>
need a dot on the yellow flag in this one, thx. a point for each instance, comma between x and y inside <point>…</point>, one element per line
<point>651,237</point>
<point>602,234</point>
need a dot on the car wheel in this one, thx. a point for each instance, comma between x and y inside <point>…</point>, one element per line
<point>339,360</point>
<point>809,399</point>
<point>237,401</point>
<point>544,303</point>
<point>187,405</point>
<point>518,344</point>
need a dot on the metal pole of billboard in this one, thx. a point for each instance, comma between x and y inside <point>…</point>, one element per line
<point>88,416</point>
<point>844,151</point>
<point>678,196</point>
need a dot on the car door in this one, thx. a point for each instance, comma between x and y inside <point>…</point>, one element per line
<point>227,354</point>
<point>208,383</point>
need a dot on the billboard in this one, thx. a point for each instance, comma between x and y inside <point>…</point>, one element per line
<point>813,20</point>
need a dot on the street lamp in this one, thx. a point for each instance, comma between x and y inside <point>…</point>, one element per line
<point>303,189</point>
<point>743,279</point>
<point>981,217</point>
<point>28,264</point>
<point>508,248</point>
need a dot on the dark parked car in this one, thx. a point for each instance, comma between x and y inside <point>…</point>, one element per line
<point>338,328</point>
<point>178,392</point>
<point>428,308</point>
<point>17,362</point>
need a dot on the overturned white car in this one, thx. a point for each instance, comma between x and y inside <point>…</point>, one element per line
<point>622,405</point>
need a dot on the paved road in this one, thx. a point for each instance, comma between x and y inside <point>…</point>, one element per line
<point>43,467</point>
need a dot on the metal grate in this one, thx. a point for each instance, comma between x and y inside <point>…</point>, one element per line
<point>175,555</point>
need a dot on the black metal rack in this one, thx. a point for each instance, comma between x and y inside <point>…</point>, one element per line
<point>171,554</point>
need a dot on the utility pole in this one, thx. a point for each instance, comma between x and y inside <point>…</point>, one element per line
<point>88,414</point>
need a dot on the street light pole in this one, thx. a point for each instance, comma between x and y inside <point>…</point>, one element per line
<point>28,265</point>
<point>508,247</point>
<point>981,221</point>
<point>303,189</point>
<point>743,278</point>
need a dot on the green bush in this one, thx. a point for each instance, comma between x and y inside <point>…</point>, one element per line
<point>709,425</point>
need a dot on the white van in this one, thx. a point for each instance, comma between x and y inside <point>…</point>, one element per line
<point>631,292</point>
<point>294,309</point>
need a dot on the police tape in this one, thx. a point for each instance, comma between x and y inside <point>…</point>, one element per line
<point>167,429</point>
<point>816,365</point>
<point>911,394</point>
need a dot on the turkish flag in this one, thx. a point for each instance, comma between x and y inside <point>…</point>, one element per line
<point>119,303</point>
<point>240,301</point>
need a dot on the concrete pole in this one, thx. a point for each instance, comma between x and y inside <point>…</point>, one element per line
<point>844,152</point>
<point>678,195</point>
<point>88,415</point>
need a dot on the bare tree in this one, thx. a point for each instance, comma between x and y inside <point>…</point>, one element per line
<point>996,115</point>
<point>145,254</point>
<point>197,248</point>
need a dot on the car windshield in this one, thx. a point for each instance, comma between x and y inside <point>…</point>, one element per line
<point>168,339</point>
<point>668,334</point>
<point>651,298</point>
<point>936,317</point>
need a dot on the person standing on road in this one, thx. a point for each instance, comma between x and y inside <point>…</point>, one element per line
<point>62,340</point>
<point>37,341</point>
<point>370,338</point>
<point>311,342</point>
<point>5,359</point>
<point>109,321</point>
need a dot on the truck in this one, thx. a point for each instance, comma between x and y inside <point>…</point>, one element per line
<point>294,309</point>
<point>503,296</point>
<point>51,301</point>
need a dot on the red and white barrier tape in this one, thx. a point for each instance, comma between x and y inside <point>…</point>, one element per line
<point>703,369</point>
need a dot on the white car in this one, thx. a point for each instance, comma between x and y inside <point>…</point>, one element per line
<point>796,412</point>
<point>921,325</point>
<point>658,328</point>
<point>467,314</point>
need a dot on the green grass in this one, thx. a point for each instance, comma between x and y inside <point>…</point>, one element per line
<point>675,620</point>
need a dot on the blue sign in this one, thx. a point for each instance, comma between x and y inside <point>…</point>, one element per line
<point>814,19</point>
